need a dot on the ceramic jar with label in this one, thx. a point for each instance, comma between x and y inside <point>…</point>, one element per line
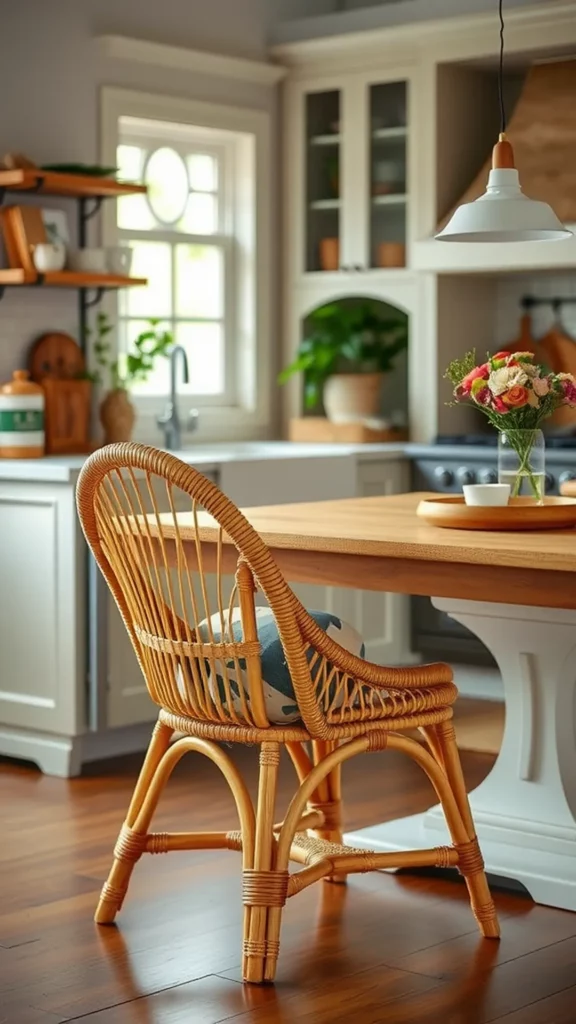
<point>21,418</point>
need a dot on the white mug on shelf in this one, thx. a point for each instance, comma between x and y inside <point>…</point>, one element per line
<point>119,260</point>
<point>89,261</point>
<point>486,494</point>
<point>49,256</point>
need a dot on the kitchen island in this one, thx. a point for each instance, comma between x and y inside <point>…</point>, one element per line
<point>517,593</point>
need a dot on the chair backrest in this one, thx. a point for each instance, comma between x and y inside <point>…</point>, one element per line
<point>193,641</point>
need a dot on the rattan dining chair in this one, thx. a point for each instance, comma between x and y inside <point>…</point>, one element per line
<point>202,655</point>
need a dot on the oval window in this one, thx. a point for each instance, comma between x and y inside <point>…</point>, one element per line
<point>167,179</point>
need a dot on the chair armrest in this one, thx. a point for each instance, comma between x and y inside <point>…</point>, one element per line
<point>377,676</point>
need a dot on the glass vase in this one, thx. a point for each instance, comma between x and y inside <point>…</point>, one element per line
<point>521,463</point>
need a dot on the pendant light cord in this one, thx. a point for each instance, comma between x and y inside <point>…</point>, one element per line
<point>501,71</point>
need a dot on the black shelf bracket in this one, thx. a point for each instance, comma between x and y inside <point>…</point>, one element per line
<point>95,298</point>
<point>87,209</point>
<point>87,299</point>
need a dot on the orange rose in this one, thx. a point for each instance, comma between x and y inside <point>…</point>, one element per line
<point>516,396</point>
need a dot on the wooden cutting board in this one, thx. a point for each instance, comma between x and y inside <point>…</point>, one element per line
<point>58,364</point>
<point>57,356</point>
<point>559,353</point>
<point>525,341</point>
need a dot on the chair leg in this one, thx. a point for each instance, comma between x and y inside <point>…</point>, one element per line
<point>262,887</point>
<point>114,889</point>
<point>328,799</point>
<point>471,864</point>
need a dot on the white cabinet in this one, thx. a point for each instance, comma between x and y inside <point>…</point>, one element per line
<point>42,619</point>
<point>348,160</point>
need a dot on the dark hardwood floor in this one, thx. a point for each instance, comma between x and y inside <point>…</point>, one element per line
<point>383,949</point>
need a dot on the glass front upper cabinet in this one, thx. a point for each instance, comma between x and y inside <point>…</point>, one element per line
<point>388,197</point>
<point>323,140</point>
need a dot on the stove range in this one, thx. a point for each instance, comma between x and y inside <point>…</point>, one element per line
<point>457,459</point>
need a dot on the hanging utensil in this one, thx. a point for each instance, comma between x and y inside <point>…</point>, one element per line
<point>525,341</point>
<point>559,354</point>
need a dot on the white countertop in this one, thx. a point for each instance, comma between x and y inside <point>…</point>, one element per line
<point>206,457</point>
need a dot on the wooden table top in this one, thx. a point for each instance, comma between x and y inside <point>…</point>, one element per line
<point>388,527</point>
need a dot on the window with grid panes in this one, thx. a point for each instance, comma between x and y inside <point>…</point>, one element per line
<point>183,236</point>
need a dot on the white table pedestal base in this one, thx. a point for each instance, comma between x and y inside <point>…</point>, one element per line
<point>525,810</point>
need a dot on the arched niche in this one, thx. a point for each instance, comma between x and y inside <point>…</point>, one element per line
<point>359,308</point>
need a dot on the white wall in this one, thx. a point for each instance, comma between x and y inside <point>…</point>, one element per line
<point>51,72</point>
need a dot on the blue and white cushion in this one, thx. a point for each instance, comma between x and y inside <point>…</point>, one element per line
<point>279,697</point>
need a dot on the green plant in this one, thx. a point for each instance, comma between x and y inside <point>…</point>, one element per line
<point>346,337</point>
<point>134,366</point>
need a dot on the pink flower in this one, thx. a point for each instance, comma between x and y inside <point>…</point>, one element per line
<point>479,372</point>
<point>541,386</point>
<point>569,390</point>
<point>499,405</point>
<point>483,396</point>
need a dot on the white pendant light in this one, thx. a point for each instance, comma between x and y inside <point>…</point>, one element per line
<point>503,213</point>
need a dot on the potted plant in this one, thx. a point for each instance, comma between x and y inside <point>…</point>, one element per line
<point>347,349</point>
<point>117,413</point>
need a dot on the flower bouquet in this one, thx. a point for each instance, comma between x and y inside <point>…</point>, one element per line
<point>516,395</point>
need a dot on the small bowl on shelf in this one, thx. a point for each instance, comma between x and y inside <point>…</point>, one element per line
<point>89,261</point>
<point>49,257</point>
<point>119,260</point>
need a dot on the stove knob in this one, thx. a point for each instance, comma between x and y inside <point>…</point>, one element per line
<point>466,476</point>
<point>549,483</point>
<point>488,476</point>
<point>444,477</point>
<point>564,478</point>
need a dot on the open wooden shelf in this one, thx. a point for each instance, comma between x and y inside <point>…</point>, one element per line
<point>67,279</point>
<point>56,184</point>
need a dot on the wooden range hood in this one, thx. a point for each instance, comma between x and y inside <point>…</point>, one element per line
<point>542,131</point>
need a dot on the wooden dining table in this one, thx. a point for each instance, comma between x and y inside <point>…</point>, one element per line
<point>516,591</point>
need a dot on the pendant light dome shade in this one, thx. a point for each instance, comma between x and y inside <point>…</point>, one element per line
<point>503,213</point>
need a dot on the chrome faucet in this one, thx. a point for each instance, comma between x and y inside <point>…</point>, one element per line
<point>169,420</point>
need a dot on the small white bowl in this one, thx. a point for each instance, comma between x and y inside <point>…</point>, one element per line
<point>49,256</point>
<point>486,494</point>
<point>119,259</point>
<point>89,261</point>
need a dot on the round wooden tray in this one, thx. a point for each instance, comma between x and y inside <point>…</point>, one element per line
<point>520,514</point>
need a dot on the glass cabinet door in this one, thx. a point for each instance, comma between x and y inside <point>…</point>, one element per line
<point>322,196</point>
<point>388,198</point>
